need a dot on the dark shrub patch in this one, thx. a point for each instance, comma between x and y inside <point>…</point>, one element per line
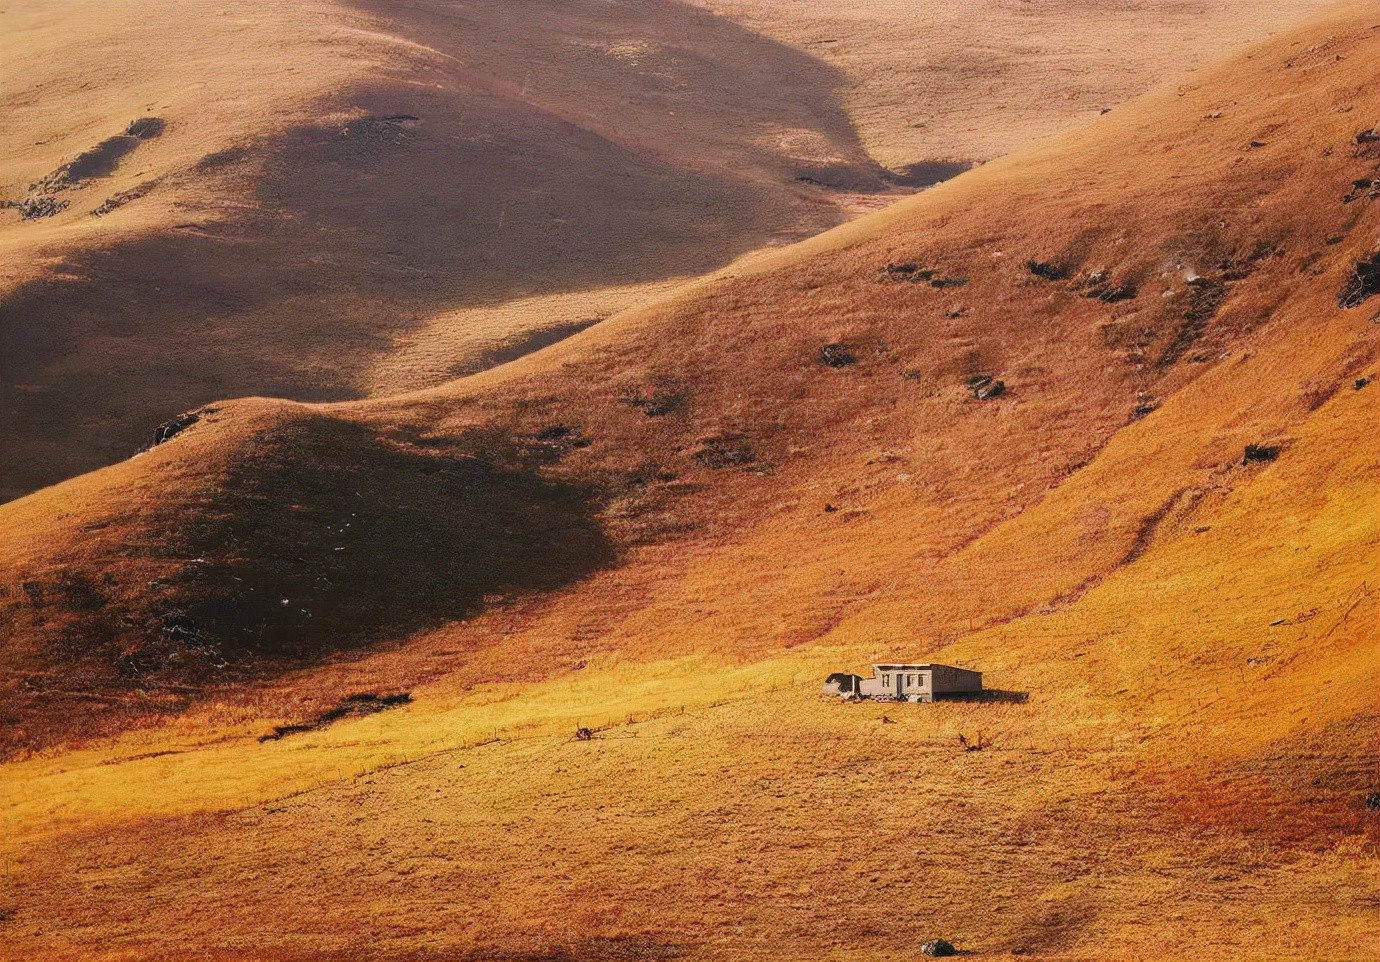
<point>1364,282</point>
<point>146,128</point>
<point>351,706</point>
<point>836,355</point>
<point>1046,270</point>
<point>1111,293</point>
<point>658,400</point>
<point>726,451</point>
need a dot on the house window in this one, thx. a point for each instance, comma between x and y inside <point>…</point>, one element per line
<point>910,680</point>
<point>886,679</point>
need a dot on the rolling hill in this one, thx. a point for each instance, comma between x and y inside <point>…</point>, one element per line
<point>327,200</point>
<point>1096,418</point>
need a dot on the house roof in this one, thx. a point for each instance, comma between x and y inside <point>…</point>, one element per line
<point>917,667</point>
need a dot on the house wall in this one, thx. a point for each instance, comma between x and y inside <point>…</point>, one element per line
<point>916,684</point>
<point>872,688</point>
<point>956,680</point>
<point>912,685</point>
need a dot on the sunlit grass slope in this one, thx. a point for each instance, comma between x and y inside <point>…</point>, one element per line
<point>1184,766</point>
<point>671,526</point>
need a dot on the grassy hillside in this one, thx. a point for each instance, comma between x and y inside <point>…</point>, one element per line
<point>930,80</point>
<point>345,172</point>
<point>1160,539</point>
<point>353,198</point>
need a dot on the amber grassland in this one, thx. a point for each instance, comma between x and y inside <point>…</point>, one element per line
<point>670,526</point>
<point>351,198</point>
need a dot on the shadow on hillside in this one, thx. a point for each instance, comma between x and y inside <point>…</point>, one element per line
<point>324,537</point>
<point>315,539</point>
<point>552,147</point>
<point>988,695</point>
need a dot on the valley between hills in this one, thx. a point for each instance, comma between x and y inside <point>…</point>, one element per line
<point>498,405</point>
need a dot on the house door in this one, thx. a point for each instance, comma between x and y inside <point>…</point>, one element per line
<point>900,685</point>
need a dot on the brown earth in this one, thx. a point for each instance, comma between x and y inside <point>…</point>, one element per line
<point>1160,539</point>
<point>347,182</point>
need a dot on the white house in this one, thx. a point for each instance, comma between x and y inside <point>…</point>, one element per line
<point>906,682</point>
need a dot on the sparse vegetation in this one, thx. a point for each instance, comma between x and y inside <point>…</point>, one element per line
<point>614,573</point>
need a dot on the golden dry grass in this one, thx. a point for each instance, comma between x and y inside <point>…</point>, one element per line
<point>931,80</point>
<point>1197,634</point>
<point>282,236</point>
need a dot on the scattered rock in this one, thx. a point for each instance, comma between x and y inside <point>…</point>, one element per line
<point>119,200</point>
<point>1046,270</point>
<point>39,206</point>
<point>1112,293</point>
<point>1367,143</point>
<point>984,386</point>
<point>1360,383</point>
<point>168,429</point>
<point>916,274</point>
<point>1363,283</point>
<point>836,355</point>
<point>1373,801</point>
<point>1256,453</point>
<point>146,128</point>
<point>1146,406</point>
<point>99,161</point>
<point>912,374</point>
<point>1368,187</point>
<point>938,948</point>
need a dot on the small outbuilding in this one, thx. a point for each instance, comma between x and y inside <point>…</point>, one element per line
<point>906,682</point>
<point>843,685</point>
